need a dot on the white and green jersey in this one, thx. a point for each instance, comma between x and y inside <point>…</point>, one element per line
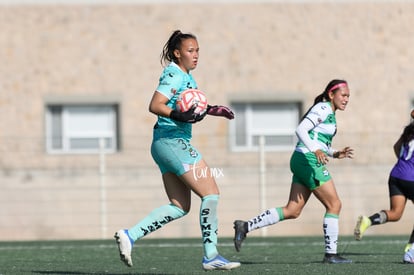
<point>323,119</point>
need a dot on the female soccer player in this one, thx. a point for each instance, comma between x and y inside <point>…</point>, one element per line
<point>176,157</point>
<point>315,133</point>
<point>401,188</point>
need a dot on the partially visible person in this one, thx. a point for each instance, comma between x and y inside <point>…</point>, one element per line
<point>177,158</point>
<point>401,189</point>
<point>310,175</point>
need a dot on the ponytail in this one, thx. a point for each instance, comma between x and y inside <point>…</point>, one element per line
<point>332,86</point>
<point>173,43</point>
<point>408,133</point>
<point>318,99</point>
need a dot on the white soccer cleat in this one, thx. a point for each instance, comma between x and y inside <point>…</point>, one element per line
<point>219,263</point>
<point>409,256</point>
<point>124,246</point>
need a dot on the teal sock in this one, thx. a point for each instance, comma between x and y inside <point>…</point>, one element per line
<point>155,220</point>
<point>208,224</point>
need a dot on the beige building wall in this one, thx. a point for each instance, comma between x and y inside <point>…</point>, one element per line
<point>260,50</point>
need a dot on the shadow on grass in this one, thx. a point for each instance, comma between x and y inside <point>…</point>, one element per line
<point>369,254</point>
<point>358,260</point>
<point>97,273</point>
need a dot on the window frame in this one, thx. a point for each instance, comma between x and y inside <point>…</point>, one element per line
<point>248,101</point>
<point>113,135</point>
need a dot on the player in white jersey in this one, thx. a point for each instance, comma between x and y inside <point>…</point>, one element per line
<point>177,159</point>
<point>310,176</point>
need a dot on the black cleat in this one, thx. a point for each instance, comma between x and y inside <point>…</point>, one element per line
<point>240,231</point>
<point>335,259</point>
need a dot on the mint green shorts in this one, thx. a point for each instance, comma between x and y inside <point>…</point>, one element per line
<point>174,155</point>
<point>307,171</point>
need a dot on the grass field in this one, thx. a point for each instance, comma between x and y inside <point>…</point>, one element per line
<point>276,255</point>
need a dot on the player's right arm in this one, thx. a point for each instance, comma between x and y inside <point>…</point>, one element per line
<point>169,82</point>
<point>158,105</point>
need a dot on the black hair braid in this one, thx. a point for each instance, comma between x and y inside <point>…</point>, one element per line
<point>408,133</point>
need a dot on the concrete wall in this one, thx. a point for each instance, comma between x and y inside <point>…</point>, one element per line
<point>265,49</point>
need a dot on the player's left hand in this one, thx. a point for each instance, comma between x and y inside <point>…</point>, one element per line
<point>347,152</point>
<point>218,110</point>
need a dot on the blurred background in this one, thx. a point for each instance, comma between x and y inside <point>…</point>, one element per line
<point>76,78</point>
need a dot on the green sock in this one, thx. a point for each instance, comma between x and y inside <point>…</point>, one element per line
<point>155,220</point>
<point>208,224</point>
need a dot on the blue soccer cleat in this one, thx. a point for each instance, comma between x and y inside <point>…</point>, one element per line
<point>219,263</point>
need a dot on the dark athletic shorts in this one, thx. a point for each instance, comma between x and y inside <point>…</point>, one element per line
<point>401,187</point>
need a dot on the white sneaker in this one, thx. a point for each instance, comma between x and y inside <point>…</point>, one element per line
<point>124,246</point>
<point>409,256</point>
<point>219,263</point>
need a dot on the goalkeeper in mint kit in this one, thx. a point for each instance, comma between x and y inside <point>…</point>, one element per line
<point>177,158</point>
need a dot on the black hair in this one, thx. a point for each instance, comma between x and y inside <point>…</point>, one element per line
<point>408,133</point>
<point>174,43</point>
<point>324,96</point>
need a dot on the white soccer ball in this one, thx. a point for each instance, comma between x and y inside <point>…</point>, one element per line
<point>191,97</point>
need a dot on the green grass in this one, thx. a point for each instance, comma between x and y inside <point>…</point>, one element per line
<point>277,255</point>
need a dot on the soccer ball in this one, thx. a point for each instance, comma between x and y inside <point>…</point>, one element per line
<point>191,97</point>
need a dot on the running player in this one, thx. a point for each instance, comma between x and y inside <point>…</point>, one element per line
<point>401,188</point>
<point>177,158</point>
<point>310,176</point>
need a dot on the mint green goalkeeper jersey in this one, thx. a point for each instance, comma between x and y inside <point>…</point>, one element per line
<point>173,81</point>
<point>323,118</point>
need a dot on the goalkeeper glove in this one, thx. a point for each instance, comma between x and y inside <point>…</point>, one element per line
<point>218,110</point>
<point>189,116</point>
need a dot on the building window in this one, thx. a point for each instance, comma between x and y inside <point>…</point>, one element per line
<point>81,128</point>
<point>275,121</point>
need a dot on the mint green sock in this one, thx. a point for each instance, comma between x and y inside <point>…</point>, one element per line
<point>208,224</point>
<point>155,220</point>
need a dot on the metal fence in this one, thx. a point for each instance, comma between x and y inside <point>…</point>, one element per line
<point>92,196</point>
